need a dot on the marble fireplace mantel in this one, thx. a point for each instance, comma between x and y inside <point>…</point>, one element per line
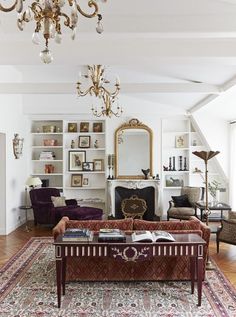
<point>131,184</point>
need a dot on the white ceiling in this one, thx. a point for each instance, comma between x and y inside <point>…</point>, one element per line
<point>178,53</point>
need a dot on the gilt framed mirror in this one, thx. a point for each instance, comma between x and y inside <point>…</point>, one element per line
<point>133,150</point>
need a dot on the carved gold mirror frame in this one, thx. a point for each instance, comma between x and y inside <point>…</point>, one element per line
<point>133,124</point>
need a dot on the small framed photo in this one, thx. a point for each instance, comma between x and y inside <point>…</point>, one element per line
<point>85,181</point>
<point>174,181</point>
<point>84,126</point>
<point>88,166</point>
<point>76,180</point>
<point>75,160</point>
<point>98,164</point>
<point>180,141</point>
<point>97,127</point>
<point>84,141</point>
<point>72,127</point>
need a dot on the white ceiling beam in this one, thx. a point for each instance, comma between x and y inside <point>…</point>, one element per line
<point>202,103</point>
<point>134,88</point>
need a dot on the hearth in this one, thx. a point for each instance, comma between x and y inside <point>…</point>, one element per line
<point>120,189</point>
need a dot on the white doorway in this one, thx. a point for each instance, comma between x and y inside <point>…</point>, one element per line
<point>2,183</point>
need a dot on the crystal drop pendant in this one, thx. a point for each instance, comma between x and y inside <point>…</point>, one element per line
<point>19,6</point>
<point>99,27</point>
<point>46,56</point>
<point>58,38</point>
<point>35,38</point>
<point>73,34</point>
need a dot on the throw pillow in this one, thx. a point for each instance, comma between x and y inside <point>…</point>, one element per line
<point>181,201</point>
<point>58,201</point>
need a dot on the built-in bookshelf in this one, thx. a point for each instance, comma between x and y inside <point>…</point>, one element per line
<point>70,155</point>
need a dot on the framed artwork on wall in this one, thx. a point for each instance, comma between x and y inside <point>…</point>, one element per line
<point>88,166</point>
<point>84,126</point>
<point>84,141</point>
<point>72,127</point>
<point>75,160</point>
<point>97,127</point>
<point>85,181</point>
<point>98,164</point>
<point>76,180</point>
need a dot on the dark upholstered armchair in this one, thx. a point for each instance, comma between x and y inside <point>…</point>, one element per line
<point>46,213</point>
<point>43,208</point>
<point>182,207</point>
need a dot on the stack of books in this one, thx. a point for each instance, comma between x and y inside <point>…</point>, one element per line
<point>111,235</point>
<point>77,234</point>
<point>47,155</point>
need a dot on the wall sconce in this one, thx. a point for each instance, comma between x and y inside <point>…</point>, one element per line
<point>17,145</point>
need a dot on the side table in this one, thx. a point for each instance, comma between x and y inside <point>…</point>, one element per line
<point>26,208</point>
<point>218,206</point>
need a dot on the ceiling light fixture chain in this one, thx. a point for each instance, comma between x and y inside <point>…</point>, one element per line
<point>96,74</point>
<point>48,16</point>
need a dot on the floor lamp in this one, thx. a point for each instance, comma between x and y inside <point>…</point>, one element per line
<point>206,156</point>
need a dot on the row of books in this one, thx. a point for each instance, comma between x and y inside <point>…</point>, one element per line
<point>76,234</point>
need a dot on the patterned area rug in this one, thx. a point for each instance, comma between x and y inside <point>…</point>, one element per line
<point>27,288</point>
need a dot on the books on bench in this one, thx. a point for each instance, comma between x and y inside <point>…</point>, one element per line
<point>148,236</point>
<point>112,235</point>
<point>77,234</point>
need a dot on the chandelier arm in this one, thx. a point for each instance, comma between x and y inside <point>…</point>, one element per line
<point>111,94</point>
<point>83,93</point>
<point>91,4</point>
<point>4,9</point>
<point>67,20</point>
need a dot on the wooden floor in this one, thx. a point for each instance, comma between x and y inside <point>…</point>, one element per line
<point>9,245</point>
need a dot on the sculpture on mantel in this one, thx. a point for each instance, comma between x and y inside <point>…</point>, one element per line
<point>146,172</point>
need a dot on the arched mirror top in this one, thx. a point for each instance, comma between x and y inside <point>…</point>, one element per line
<point>133,150</point>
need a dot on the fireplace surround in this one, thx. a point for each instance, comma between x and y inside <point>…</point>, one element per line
<point>120,189</point>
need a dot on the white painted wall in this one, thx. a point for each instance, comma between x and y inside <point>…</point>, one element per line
<point>2,182</point>
<point>13,121</point>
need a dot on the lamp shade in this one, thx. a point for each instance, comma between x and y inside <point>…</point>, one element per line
<point>33,181</point>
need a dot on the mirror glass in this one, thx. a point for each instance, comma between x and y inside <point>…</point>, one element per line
<point>133,150</point>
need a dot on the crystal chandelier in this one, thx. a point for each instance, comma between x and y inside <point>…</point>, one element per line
<point>96,74</point>
<point>48,16</point>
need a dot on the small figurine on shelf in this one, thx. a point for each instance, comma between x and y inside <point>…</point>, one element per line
<point>72,144</point>
<point>165,168</point>
<point>96,144</point>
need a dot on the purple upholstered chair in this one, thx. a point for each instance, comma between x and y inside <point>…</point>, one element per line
<point>46,213</point>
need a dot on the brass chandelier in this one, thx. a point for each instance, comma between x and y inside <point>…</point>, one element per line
<point>96,74</point>
<point>48,16</point>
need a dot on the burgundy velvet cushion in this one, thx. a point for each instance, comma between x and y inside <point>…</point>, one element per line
<point>78,213</point>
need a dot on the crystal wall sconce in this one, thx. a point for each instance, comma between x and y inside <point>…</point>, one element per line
<point>17,145</point>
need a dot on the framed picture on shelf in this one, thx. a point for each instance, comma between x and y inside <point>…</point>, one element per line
<point>84,126</point>
<point>179,141</point>
<point>88,166</point>
<point>97,127</point>
<point>98,164</point>
<point>72,127</point>
<point>76,180</point>
<point>75,160</point>
<point>174,181</point>
<point>84,141</point>
<point>85,181</point>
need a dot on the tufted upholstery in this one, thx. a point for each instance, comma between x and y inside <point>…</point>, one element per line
<point>157,268</point>
<point>227,232</point>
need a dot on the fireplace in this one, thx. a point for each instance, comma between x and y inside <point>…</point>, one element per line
<point>145,189</point>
